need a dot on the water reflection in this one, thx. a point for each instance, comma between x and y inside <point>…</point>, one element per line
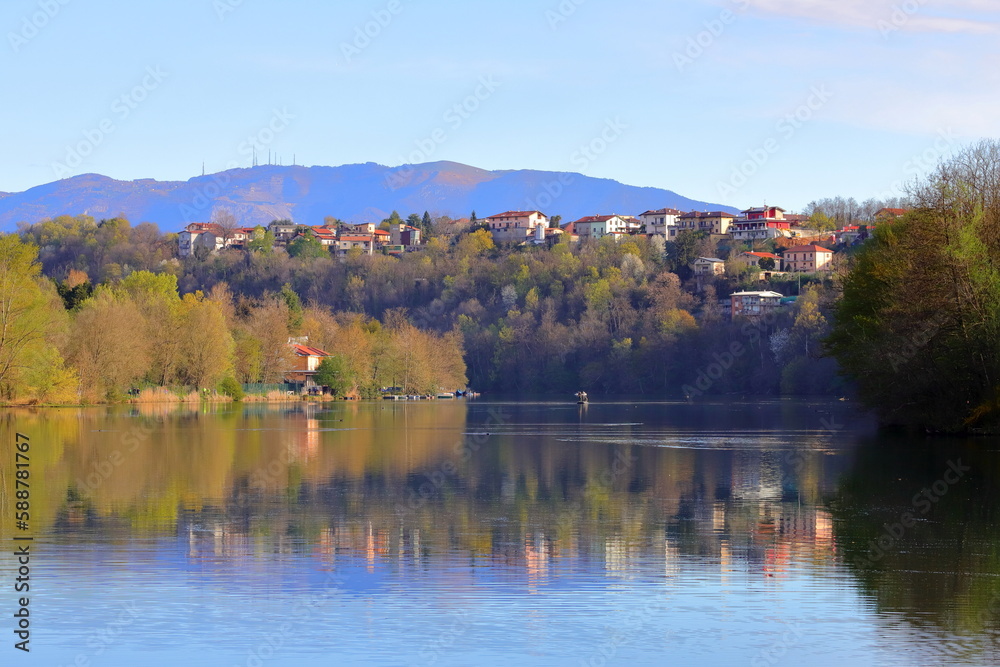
<point>919,526</point>
<point>722,526</point>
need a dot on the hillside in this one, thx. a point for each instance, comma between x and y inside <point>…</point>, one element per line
<point>357,193</point>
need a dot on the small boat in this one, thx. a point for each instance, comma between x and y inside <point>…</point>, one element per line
<point>446,394</point>
<point>581,398</point>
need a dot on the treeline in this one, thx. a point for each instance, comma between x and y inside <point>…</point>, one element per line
<point>919,324</point>
<point>73,342</point>
<point>602,316</point>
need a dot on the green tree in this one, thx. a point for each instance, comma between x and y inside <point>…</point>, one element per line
<point>307,246</point>
<point>294,304</point>
<point>262,241</point>
<point>206,351</point>
<point>24,312</point>
<point>334,373</point>
<point>918,325</point>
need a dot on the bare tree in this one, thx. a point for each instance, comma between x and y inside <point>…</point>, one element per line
<point>228,224</point>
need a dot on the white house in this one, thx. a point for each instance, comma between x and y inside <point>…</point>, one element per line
<point>596,226</point>
<point>659,220</point>
<point>754,304</point>
<point>709,266</point>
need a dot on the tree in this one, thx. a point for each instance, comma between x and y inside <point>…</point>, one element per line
<point>333,373</point>
<point>294,304</point>
<point>426,225</point>
<point>822,222</point>
<point>307,246</point>
<point>206,349</point>
<point>262,241</point>
<point>918,324</point>
<point>766,263</point>
<point>109,346</point>
<point>23,310</point>
<point>228,224</point>
<point>554,221</point>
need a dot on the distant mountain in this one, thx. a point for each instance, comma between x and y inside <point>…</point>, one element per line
<point>357,193</point>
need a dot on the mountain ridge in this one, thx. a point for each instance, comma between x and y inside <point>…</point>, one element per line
<point>363,192</point>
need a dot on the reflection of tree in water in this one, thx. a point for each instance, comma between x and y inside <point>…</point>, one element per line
<point>388,485</point>
<point>942,574</point>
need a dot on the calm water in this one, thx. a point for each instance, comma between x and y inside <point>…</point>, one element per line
<point>482,533</point>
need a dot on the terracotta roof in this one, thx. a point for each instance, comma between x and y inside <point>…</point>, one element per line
<point>809,248</point>
<point>705,214</point>
<point>515,214</point>
<point>200,227</point>
<point>595,218</point>
<point>382,232</point>
<point>762,254</point>
<point>306,351</point>
<point>356,238</point>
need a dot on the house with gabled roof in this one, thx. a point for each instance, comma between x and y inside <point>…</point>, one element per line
<point>709,266</point>
<point>597,226</point>
<point>515,226</point>
<point>305,362</point>
<point>807,259</point>
<point>713,222</point>
<point>658,221</point>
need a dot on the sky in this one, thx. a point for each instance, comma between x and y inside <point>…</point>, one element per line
<point>739,102</point>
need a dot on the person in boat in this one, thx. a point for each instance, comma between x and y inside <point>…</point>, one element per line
<point>581,396</point>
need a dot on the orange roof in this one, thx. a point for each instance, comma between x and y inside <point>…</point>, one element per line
<point>515,214</point>
<point>356,238</point>
<point>382,232</point>
<point>809,248</point>
<point>306,351</point>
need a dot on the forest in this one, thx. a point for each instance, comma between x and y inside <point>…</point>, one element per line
<point>122,312</point>
<point>918,328</point>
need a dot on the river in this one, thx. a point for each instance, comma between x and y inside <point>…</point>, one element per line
<point>754,532</point>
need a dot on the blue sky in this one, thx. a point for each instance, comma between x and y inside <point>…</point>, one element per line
<point>730,101</point>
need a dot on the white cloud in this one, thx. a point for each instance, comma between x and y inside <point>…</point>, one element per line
<point>953,16</point>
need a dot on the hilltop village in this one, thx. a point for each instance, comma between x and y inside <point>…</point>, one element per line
<point>767,238</point>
